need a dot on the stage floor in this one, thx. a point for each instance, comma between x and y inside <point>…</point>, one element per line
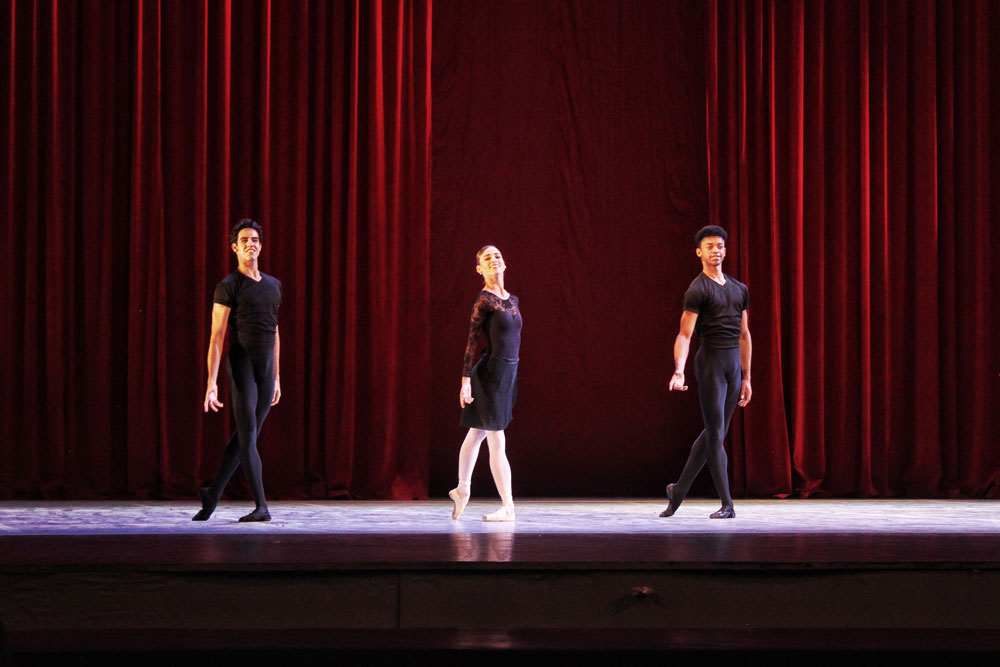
<point>864,575</point>
<point>973,517</point>
<point>583,532</point>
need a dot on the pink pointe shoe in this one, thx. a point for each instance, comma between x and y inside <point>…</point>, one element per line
<point>460,502</point>
<point>502,514</point>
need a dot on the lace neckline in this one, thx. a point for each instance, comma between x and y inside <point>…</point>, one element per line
<point>509,295</point>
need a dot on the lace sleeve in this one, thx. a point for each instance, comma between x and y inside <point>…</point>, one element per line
<point>479,312</point>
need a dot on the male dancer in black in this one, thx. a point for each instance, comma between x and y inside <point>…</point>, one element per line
<point>715,307</point>
<point>248,301</point>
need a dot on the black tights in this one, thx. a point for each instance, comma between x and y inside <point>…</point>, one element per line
<point>251,373</point>
<point>719,381</point>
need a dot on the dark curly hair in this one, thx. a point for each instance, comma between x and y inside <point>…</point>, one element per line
<point>710,230</point>
<point>245,223</point>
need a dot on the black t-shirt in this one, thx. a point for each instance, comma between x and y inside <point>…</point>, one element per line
<point>253,304</point>
<point>720,310</point>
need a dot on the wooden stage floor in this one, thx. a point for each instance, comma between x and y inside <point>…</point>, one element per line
<point>874,576</point>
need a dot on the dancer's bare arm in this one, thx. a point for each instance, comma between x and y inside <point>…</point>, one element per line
<point>277,375</point>
<point>220,318</point>
<point>746,351</point>
<point>681,346</point>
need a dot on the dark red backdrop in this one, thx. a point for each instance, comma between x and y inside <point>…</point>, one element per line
<point>137,132</point>
<point>846,145</point>
<point>572,135</point>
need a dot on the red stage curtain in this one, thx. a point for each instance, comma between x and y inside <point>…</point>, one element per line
<point>850,153</point>
<point>135,134</point>
<point>852,149</point>
<point>848,147</point>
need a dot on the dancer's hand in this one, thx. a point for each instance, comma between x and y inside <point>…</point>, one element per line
<point>745,393</point>
<point>465,395</point>
<point>212,398</point>
<point>276,396</point>
<point>677,382</point>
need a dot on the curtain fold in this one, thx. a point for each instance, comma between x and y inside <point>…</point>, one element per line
<point>850,146</point>
<point>136,134</point>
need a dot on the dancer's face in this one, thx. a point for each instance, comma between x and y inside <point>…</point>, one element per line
<point>491,263</point>
<point>712,250</point>
<point>247,246</point>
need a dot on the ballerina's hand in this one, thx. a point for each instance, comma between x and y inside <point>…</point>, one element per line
<point>465,395</point>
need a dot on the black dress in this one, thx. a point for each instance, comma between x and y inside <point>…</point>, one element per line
<point>494,375</point>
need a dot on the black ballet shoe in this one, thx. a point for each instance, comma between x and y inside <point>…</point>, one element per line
<point>208,504</point>
<point>671,505</point>
<point>726,512</point>
<point>256,515</point>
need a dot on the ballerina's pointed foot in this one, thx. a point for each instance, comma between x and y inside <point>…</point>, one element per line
<point>502,514</point>
<point>726,512</point>
<point>460,500</point>
<point>672,503</point>
<point>258,514</point>
<point>208,504</point>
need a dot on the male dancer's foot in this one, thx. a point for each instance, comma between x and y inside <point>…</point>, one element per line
<point>726,512</point>
<point>505,513</point>
<point>673,502</point>
<point>259,514</point>
<point>461,498</point>
<point>208,504</point>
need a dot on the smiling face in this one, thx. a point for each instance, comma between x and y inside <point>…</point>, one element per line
<point>490,262</point>
<point>247,246</point>
<point>712,250</point>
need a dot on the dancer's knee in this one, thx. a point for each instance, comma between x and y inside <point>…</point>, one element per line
<point>496,441</point>
<point>714,439</point>
<point>474,438</point>
<point>248,443</point>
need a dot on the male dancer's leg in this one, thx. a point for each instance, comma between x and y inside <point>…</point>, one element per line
<point>251,404</point>
<point>717,405</point>
<point>252,387</point>
<point>714,370</point>
<point>230,461</point>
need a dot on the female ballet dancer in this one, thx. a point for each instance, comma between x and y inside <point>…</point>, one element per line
<point>489,385</point>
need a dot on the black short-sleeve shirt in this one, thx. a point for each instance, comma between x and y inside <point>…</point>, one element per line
<point>253,304</point>
<point>720,310</point>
